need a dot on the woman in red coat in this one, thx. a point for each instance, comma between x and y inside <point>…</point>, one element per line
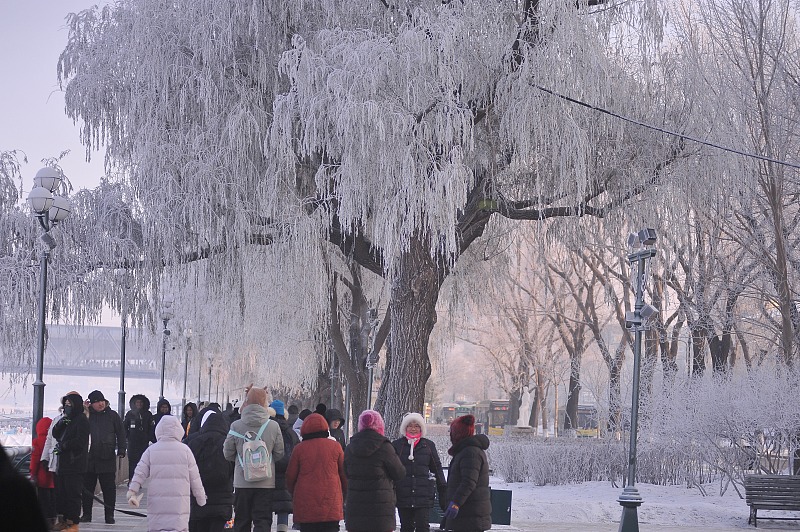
<point>40,473</point>
<point>315,478</point>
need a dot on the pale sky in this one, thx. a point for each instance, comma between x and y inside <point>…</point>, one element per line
<point>32,119</point>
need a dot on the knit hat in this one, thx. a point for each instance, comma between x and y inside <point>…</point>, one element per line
<point>96,396</point>
<point>255,396</point>
<point>321,409</point>
<point>417,418</point>
<point>305,413</point>
<point>462,427</point>
<point>370,419</point>
<point>278,406</point>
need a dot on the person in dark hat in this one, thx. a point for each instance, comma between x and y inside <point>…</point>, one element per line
<point>469,507</point>
<point>335,423</point>
<point>71,433</point>
<point>107,442</point>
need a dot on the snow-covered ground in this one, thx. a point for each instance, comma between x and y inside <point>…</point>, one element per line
<point>593,506</point>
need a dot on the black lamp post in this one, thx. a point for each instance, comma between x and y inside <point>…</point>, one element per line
<point>166,315</point>
<point>641,248</point>
<point>187,332</point>
<point>50,211</point>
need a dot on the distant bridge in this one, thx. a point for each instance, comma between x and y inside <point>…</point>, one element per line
<point>91,371</point>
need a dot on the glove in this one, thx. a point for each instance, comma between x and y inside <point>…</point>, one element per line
<point>134,498</point>
<point>44,464</point>
<point>57,448</point>
<point>452,511</point>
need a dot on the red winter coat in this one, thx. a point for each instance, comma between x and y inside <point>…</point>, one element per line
<point>41,476</point>
<point>315,474</point>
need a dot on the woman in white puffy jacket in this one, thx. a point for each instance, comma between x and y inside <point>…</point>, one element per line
<point>173,474</point>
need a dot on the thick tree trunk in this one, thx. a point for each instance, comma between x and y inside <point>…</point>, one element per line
<point>698,351</point>
<point>414,292</point>
<point>573,397</point>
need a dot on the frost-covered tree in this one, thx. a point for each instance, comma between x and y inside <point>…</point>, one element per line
<point>395,131</point>
<point>741,68</point>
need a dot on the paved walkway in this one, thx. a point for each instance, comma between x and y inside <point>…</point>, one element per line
<point>130,523</point>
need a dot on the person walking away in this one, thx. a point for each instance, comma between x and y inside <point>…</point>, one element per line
<point>254,473</point>
<point>316,479</point>
<point>469,508</point>
<point>41,475</point>
<point>216,474</point>
<point>163,408</point>
<point>107,440</point>
<point>210,407</point>
<point>19,499</point>
<point>139,427</point>
<point>293,413</point>
<point>174,478</point>
<point>72,447</point>
<point>298,424</point>
<point>372,467</point>
<point>424,475</point>
<point>281,498</point>
<point>335,423</point>
<point>189,415</point>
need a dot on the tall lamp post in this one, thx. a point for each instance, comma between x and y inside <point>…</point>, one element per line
<point>166,315</point>
<point>122,275</point>
<point>210,366</point>
<point>641,247</point>
<point>187,332</point>
<point>50,211</point>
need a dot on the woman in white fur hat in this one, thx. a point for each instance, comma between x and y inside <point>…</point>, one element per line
<point>424,475</point>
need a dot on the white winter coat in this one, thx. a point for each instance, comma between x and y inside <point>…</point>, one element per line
<point>173,473</point>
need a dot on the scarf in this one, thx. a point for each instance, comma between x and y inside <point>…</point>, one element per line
<point>413,441</point>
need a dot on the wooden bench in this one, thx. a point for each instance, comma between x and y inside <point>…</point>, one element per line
<point>772,492</point>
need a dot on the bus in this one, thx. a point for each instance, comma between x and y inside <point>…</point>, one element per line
<point>491,416</point>
<point>446,413</point>
<point>463,410</point>
<point>588,425</point>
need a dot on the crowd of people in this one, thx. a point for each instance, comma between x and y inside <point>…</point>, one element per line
<point>210,467</point>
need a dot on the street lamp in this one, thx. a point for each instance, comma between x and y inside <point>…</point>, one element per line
<point>166,315</point>
<point>210,366</point>
<point>640,245</point>
<point>122,275</point>
<point>50,211</point>
<point>187,332</point>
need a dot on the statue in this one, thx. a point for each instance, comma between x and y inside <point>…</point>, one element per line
<point>525,408</point>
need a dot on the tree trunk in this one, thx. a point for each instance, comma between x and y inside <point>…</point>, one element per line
<point>573,396</point>
<point>414,291</point>
<point>698,351</point>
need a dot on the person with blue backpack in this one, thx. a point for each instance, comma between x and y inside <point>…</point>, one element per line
<point>254,444</point>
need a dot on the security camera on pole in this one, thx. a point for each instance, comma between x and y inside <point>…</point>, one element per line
<point>641,247</point>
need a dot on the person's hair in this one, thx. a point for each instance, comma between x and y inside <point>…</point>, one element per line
<point>293,410</point>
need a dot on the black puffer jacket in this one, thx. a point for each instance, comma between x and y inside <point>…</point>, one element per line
<point>138,425</point>
<point>215,471</point>
<point>372,467</point>
<point>468,484</point>
<point>424,475</point>
<point>108,439</point>
<point>185,420</point>
<point>338,433</point>
<point>72,434</point>
<point>159,415</point>
<point>281,498</point>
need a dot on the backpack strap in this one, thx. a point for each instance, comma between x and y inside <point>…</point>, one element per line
<point>234,433</point>
<point>261,430</point>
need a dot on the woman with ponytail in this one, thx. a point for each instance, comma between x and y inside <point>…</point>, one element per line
<point>424,476</point>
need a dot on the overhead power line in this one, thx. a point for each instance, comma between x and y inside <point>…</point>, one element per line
<point>662,130</point>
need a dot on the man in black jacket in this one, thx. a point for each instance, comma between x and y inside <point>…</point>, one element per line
<point>107,441</point>
<point>139,430</point>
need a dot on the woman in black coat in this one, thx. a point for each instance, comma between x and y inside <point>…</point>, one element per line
<point>372,467</point>
<point>216,473</point>
<point>469,508</point>
<point>138,425</point>
<point>424,475</point>
<point>71,433</point>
